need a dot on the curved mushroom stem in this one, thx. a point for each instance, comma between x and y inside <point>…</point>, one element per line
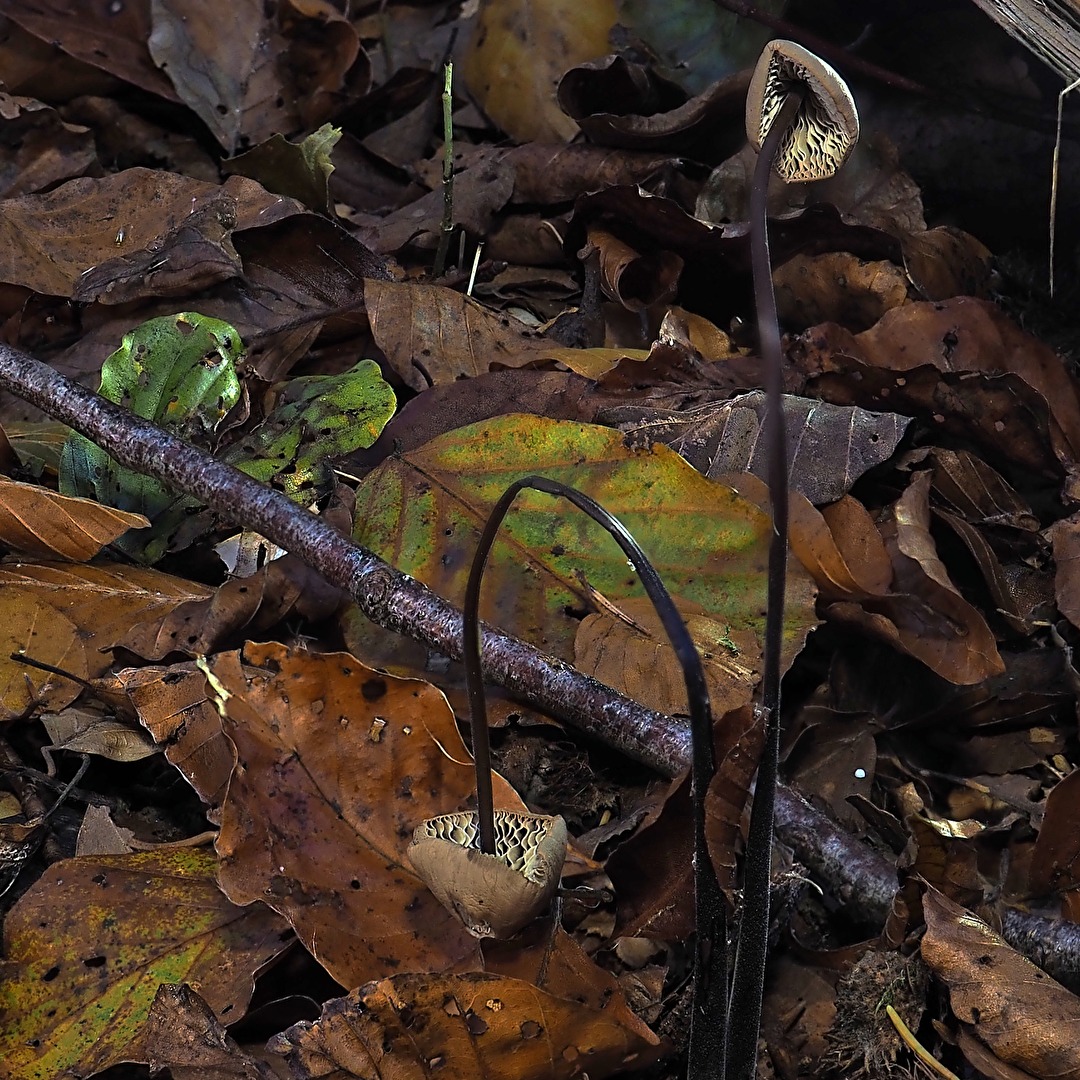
<point>697,691</point>
<point>748,975</point>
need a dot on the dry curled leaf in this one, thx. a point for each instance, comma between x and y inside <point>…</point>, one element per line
<point>39,522</point>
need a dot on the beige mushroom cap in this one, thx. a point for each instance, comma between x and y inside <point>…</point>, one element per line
<point>493,895</point>
<point>826,126</point>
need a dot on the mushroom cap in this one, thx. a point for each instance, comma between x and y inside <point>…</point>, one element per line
<point>826,126</point>
<point>493,895</point>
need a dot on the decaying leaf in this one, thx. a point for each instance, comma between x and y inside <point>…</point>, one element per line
<point>829,446</point>
<point>337,764</point>
<point>1025,1017</point>
<point>87,947</point>
<point>473,1024</point>
<point>708,544</point>
<point>33,627</point>
<point>517,55</point>
<point>103,601</point>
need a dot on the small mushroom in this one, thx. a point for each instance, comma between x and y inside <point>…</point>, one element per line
<point>801,118</point>
<point>826,126</point>
<point>493,895</point>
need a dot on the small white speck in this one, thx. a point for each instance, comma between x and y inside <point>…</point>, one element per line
<point>860,774</point>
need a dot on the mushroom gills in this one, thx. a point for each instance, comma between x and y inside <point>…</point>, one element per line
<point>825,128</point>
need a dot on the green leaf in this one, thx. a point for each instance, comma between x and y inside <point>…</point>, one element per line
<point>178,371</point>
<point>423,512</point>
<point>87,947</point>
<point>319,418</point>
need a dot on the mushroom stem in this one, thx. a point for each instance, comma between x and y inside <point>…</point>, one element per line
<point>748,975</point>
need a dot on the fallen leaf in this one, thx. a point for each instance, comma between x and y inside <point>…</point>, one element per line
<point>517,54</point>
<point>468,1025</point>
<point>829,447</point>
<point>1025,1017</point>
<point>44,150</point>
<point>708,545</point>
<point>434,335</point>
<point>181,1034</point>
<point>33,627</point>
<point>1055,865</point>
<point>172,704</point>
<point>42,523</point>
<point>47,241</point>
<point>103,600</point>
<point>87,947</point>
<point>337,764</point>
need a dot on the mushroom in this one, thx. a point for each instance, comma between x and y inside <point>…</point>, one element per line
<point>493,895</point>
<point>819,138</point>
<point>801,118</point>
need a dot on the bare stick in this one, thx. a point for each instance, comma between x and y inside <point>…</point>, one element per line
<point>388,597</point>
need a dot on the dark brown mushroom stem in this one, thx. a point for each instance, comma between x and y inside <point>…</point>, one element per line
<point>748,975</point>
<point>708,1016</point>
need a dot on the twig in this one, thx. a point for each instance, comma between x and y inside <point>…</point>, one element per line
<point>848,868</point>
<point>389,598</point>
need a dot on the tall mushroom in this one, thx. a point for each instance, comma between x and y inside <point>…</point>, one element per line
<point>801,118</point>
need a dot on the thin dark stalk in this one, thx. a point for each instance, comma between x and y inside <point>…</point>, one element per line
<point>447,172</point>
<point>710,990</point>
<point>748,976</point>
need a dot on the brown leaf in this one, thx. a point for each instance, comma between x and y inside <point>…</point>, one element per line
<point>643,665</point>
<point>568,972</point>
<point>316,824</point>
<point>837,287</point>
<point>48,241</point>
<point>443,408</point>
<point>1065,535</point>
<point>635,280</point>
<point>32,626</point>
<point>42,149</point>
<point>517,54</point>
<point>617,102</point>
<point>42,523</point>
<point>112,40</point>
<point>172,705</point>
<point>1055,866</point>
<point>1001,414</point>
<point>947,262</point>
<point>829,447</point>
<point>182,1034</point>
<point>966,335</point>
<point>433,335</point>
<point>102,601</point>
<point>229,71</point>
<point>195,255</point>
<point>1025,1017</point>
<point>978,492</point>
<point>952,637</point>
<point>469,1025</point>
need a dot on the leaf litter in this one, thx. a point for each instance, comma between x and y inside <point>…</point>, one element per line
<point>276,182</point>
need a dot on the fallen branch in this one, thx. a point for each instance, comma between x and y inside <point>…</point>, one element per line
<point>400,603</point>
